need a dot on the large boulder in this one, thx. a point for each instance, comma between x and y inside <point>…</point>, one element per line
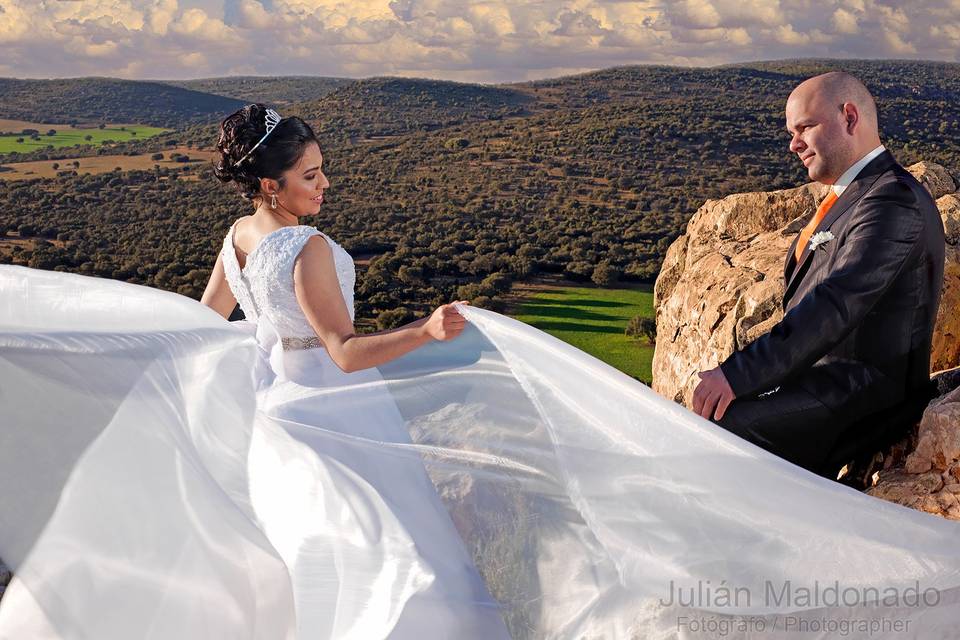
<point>721,283</point>
<point>928,477</point>
<point>946,339</point>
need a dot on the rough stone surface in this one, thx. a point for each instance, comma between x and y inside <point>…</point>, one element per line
<point>722,281</point>
<point>929,478</point>
<point>946,339</point>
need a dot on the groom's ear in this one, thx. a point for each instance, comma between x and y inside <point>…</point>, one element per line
<point>851,115</point>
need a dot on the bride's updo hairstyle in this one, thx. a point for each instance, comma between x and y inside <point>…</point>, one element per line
<point>281,150</point>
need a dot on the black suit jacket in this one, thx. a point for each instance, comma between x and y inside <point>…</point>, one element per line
<point>859,311</point>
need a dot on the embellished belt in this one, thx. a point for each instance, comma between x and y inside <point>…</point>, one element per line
<point>294,343</point>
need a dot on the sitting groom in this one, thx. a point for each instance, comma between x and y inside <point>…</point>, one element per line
<point>863,280</point>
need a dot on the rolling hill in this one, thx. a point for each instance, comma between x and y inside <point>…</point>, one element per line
<point>275,91</point>
<point>449,188</point>
<point>100,100</point>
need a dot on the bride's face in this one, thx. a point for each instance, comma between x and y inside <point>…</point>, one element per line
<point>303,184</point>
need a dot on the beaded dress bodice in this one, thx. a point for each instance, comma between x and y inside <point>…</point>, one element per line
<point>264,286</point>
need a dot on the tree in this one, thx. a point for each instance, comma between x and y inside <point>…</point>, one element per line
<point>55,165</point>
<point>470,291</point>
<point>578,269</point>
<point>88,137</point>
<point>393,318</point>
<point>603,274</point>
<point>410,275</point>
<point>500,282</point>
<point>456,143</point>
<point>642,327</point>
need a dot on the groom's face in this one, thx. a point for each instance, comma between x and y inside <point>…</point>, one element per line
<point>817,135</point>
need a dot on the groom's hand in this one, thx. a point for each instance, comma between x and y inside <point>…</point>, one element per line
<point>713,394</point>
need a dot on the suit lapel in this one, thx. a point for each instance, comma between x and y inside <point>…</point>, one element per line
<point>788,261</point>
<point>851,195</point>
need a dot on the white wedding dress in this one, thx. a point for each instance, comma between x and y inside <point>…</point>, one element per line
<point>167,474</point>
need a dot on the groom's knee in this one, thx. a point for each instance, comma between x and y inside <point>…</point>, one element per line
<point>793,426</point>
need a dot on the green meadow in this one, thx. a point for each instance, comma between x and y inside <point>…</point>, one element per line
<point>593,320</point>
<point>71,137</point>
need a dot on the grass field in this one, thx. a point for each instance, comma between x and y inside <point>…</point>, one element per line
<point>593,320</point>
<point>67,137</point>
<point>101,164</point>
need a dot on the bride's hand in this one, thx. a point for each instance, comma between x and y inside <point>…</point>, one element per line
<point>446,323</point>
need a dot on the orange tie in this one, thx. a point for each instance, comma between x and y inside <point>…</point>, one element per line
<point>813,224</point>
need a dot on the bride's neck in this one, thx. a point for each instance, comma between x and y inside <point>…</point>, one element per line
<point>279,214</point>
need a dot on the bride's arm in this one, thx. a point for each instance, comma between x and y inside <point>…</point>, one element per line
<point>318,292</point>
<point>218,295</point>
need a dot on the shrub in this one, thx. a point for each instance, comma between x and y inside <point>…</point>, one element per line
<point>642,327</point>
<point>470,291</point>
<point>500,282</point>
<point>603,274</point>
<point>486,302</point>
<point>456,143</point>
<point>393,318</point>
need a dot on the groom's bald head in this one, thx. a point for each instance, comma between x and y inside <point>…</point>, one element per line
<point>838,88</point>
<point>832,119</point>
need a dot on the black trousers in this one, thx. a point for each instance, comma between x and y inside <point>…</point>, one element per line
<point>789,423</point>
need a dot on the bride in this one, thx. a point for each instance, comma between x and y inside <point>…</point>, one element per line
<point>169,474</point>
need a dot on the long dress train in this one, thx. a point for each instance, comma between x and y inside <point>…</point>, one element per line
<point>168,474</point>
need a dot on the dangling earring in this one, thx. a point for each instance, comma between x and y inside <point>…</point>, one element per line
<point>273,201</point>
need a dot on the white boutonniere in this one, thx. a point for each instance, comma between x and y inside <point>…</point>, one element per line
<point>820,238</point>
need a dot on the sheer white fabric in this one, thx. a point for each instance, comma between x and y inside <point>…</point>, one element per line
<point>168,474</point>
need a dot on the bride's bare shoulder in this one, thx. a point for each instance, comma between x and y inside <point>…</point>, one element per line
<point>249,231</point>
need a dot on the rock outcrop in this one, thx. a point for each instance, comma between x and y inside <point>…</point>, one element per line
<point>721,282</point>
<point>928,476</point>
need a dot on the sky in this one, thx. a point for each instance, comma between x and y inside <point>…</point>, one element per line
<point>467,40</point>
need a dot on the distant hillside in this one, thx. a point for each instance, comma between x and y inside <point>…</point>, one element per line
<point>395,106</point>
<point>452,185</point>
<point>274,91</point>
<point>96,100</point>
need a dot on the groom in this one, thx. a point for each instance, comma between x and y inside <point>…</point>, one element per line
<point>847,367</point>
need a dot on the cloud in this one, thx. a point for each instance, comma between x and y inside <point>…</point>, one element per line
<point>844,21</point>
<point>480,40</point>
<point>786,34</point>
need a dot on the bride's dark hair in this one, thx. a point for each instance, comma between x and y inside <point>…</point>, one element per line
<point>282,149</point>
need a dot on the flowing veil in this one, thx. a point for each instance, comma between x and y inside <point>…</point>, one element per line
<point>590,506</point>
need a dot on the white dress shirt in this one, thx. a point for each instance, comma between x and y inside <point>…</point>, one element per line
<point>850,174</point>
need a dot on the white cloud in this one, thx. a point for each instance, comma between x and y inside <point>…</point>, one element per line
<point>253,16</point>
<point>898,45</point>
<point>787,35</point>
<point>845,22</point>
<point>483,40</point>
